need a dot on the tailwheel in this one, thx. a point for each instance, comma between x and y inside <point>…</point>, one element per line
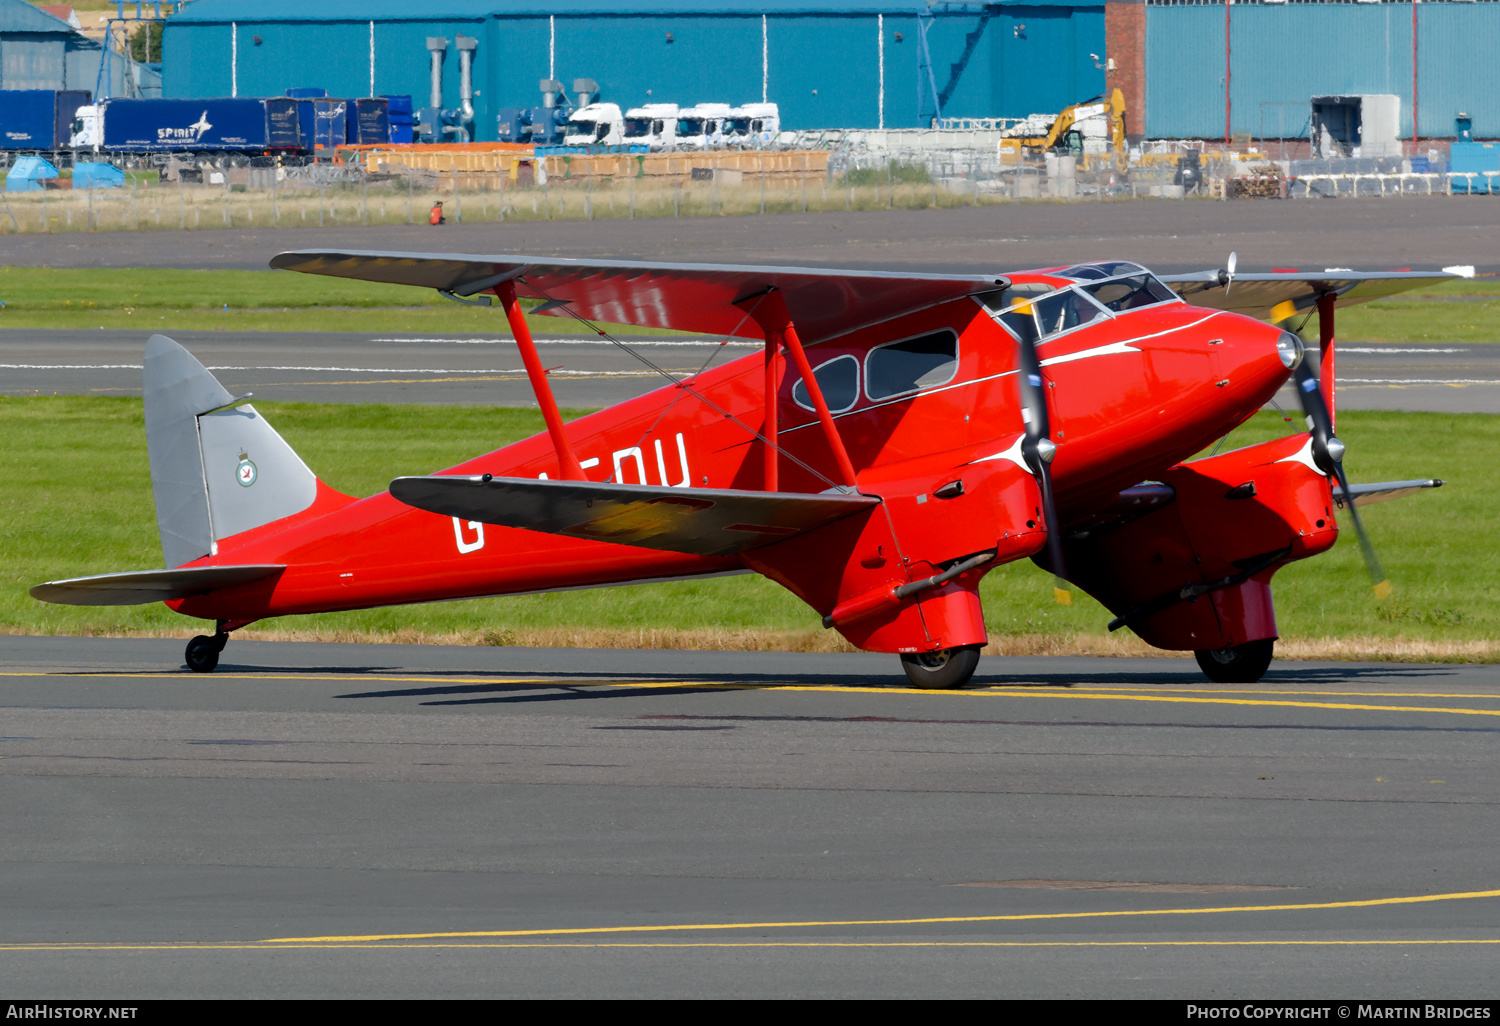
<point>946,668</point>
<point>1239,664</point>
<point>202,653</point>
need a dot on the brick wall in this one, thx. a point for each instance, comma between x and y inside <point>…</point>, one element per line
<point>1125,44</point>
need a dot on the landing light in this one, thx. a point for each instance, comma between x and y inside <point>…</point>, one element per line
<point>1289,348</point>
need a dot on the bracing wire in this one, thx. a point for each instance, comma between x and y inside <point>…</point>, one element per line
<point>683,383</point>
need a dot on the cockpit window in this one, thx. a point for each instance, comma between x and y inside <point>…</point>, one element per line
<point>1064,311</point>
<point>910,365</point>
<point>1100,269</point>
<point>1131,293</point>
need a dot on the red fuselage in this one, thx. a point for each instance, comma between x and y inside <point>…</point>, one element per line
<point>1130,395</point>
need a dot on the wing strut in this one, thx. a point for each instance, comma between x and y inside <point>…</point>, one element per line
<point>770,312</point>
<point>567,461</point>
<point>773,386</point>
<point>1326,300</point>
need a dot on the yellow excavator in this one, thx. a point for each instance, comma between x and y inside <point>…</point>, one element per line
<point>1062,137</point>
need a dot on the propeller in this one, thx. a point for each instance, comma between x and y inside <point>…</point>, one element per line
<point>1328,454</point>
<point>1038,449</point>
<point>1226,275</point>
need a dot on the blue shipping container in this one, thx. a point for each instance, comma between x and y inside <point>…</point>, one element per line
<point>371,121</point>
<point>330,123</point>
<point>282,129</point>
<point>220,124</point>
<point>398,111</point>
<point>38,119</point>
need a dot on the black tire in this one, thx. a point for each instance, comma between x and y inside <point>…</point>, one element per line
<point>202,653</point>
<point>947,668</point>
<point>1241,664</point>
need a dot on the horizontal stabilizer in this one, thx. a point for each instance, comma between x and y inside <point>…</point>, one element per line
<point>699,521</point>
<point>137,587</point>
<point>1364,494</point>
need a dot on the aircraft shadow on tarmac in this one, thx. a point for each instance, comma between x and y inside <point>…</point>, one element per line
<point>570,686</point>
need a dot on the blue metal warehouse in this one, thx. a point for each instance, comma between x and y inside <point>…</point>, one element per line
<point>38,51</point>
<point>827,63</point>
<point>1281,54</point>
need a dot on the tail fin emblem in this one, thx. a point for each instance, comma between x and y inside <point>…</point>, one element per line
<point>246,472</point>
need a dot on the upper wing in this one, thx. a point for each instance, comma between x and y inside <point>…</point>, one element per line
<point>688,297</point>
<point>1277,295</point>
<point>700,521</point>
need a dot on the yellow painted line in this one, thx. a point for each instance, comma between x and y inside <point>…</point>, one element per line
<point>847,689</point>
<point>1290,691</point>
<point>1015,918</point>
<point>264,946</point>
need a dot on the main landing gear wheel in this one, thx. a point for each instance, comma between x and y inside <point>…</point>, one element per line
<point>202,653</point>
<point>947,668</point>
<point>1241,664</point>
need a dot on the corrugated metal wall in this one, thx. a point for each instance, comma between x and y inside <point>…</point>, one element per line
<point>1282,56</point>
<point>823,69</point>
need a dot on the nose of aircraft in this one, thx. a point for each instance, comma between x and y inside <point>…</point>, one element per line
<point>1257,358</point>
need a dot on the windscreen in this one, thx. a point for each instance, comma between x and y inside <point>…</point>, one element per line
<point>690,126</point>
<point>637,128</point>
<point>1130,293</point>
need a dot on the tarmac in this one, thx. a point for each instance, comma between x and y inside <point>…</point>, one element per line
<point>1166,235</point>
<point>374,821</point>
<point>402,821</point>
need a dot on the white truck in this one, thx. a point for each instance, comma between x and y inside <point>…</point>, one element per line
<point>653,125</point>
<point>753,126</point>
<point>598,124</point>
<point>702,127</point>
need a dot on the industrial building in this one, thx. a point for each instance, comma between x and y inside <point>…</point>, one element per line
<point>1188,68</point>
<point>827,63</point>
<point>40,51</point>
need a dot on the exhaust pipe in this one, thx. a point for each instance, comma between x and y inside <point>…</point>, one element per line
<point>550,87</point>
<point>466,46</point>
<point>437,44</point>
<point>585,90</point>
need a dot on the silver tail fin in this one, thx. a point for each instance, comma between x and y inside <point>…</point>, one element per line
<point>217,467</point>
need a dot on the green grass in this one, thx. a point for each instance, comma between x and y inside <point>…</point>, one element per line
<point>1411,319</point>
<point>218,300</point>
<point>76,499</point>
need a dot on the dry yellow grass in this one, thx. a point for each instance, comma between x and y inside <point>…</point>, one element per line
<point>1360,649</point>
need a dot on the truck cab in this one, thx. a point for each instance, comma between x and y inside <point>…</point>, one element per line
<point>598,124</point>
<point>753,126</point>
<point>702,127</point>
<point>653,125</point>
<point>88,132</point>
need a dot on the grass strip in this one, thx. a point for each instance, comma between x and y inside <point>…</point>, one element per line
<point>77,500</point>
<point>226,300</point>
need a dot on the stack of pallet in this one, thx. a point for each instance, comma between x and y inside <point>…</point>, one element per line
<point>1262,182</point>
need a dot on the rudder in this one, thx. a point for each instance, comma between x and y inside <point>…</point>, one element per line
<point>217,467</point>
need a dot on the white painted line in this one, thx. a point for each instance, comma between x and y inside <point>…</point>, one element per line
<point>1383,349</point>
<point>339,370</point>
<point>1418,381</point>
<point>695,343</point>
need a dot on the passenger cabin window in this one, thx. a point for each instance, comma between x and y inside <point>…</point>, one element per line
<point>838,380</point>
<point>911,365</point>
<point>1130,293</point>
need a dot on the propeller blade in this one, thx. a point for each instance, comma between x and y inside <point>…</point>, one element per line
<point>1039,449</point>
<point>1226,276</point>
<point>1328,454</point>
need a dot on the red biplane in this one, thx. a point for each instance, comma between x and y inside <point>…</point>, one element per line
<point>900,435</point>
